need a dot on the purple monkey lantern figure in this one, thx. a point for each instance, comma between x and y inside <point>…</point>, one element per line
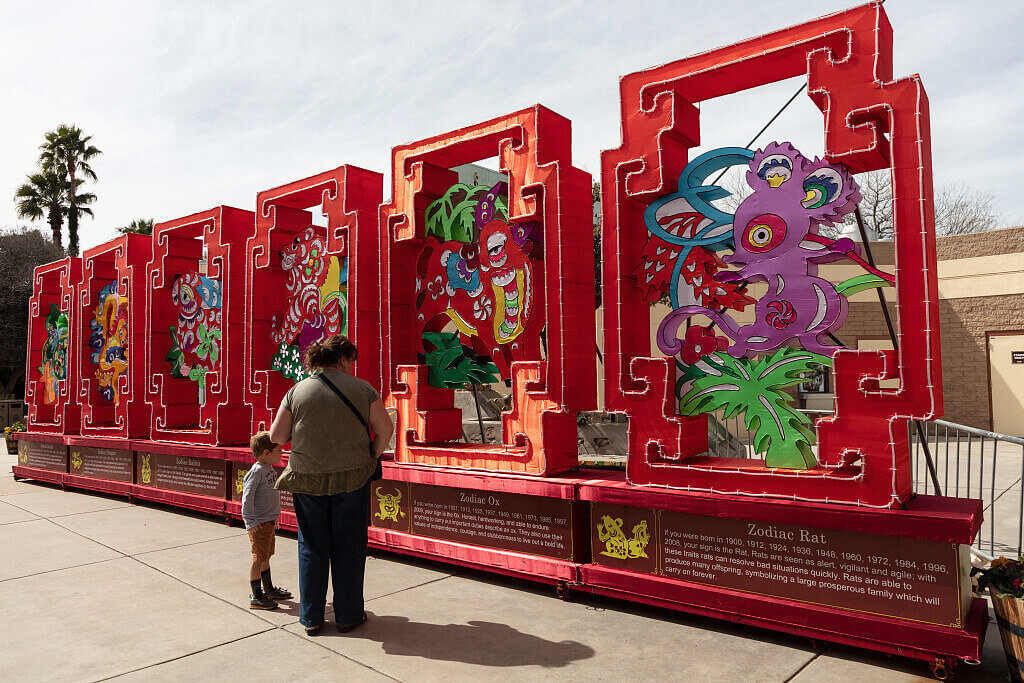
<point>775,232</point>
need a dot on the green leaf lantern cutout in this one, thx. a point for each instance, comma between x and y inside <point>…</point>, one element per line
<point>783,434</point>
<point>452,217</point>
<point>288,362</point>
<point>860,283</point>
<point>451,365</point>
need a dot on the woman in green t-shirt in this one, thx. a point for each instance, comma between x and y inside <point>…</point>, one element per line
<point>329,471</point>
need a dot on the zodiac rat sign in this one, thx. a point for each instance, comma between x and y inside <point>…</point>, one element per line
<point>775,236</point>
<point>609,531</point>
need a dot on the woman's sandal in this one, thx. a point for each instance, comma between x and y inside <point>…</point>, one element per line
<point>345,628</point>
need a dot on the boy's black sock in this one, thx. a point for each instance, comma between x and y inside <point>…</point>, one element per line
<point>257,591</point>
<point>265,576</point>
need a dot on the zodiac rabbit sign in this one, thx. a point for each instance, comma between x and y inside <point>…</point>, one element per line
<point>775,232</point>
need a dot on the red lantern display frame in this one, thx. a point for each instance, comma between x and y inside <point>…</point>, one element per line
<point>223,418</point>
<point>349,197</point>
<point>871,122</point>
<point>124,260</point>
<point>539,433</point>
<point>53,283</point>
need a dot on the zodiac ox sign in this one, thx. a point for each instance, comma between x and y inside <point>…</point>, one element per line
<point>390,506</point>
<point>477,271</point>
<point>774,235</point>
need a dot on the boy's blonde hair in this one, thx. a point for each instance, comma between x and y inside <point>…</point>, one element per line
<point>260,442</point>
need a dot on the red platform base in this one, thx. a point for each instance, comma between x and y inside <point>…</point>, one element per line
<point>520,565</point>
<point>592,532</point>
<point>882,634</point>
<point>37,474</point>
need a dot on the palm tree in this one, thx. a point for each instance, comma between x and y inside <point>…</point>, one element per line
<point>81,207</point>
<point>139,226</point>
<point>43,193</point>
<point>67,151</point>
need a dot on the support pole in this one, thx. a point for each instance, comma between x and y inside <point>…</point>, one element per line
<point>479,417</point>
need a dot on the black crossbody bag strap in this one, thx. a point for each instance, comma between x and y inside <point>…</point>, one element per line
<point>344,398</point>
<point>359,416</point>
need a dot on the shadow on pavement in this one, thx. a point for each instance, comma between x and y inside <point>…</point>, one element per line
<point>483,643</point>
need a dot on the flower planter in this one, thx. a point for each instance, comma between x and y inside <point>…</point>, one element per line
<point>12,446</point>
<point>1010,614</point>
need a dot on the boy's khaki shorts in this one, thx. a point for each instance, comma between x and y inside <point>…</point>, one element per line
<point>262,539</point>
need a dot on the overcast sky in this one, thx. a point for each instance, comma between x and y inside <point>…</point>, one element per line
<point>199,104</point>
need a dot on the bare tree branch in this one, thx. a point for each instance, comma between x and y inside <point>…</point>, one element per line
<point>960,209</point>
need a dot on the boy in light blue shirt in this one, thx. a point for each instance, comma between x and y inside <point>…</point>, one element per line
<point>261,506</point>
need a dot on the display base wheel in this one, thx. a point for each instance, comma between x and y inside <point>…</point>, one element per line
<point>944,668</point>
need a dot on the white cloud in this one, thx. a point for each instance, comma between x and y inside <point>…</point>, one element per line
<point>199,104</point>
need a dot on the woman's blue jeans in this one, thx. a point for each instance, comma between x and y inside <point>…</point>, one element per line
<point>332,536</point>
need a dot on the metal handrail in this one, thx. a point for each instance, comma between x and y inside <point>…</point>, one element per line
<point>981,432</point>
<point>969,456</point>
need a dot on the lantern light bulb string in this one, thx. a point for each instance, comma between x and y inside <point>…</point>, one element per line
<point>933,475</point>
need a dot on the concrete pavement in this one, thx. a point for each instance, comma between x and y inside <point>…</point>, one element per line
<point>94,588</point>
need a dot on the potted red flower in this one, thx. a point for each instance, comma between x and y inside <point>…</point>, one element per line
<point>1005,582</point>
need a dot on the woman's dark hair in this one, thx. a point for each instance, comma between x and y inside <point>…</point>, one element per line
<point>330,351</point>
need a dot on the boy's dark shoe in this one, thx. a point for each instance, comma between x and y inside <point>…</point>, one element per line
<point>345,628</point>
<point>262,603</point>
<point>314,630</point>
<point>277,593</point>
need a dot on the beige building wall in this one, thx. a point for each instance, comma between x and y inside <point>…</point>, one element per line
<point>981,292</point>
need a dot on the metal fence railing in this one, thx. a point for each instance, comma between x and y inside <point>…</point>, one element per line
<point>975,463</point>
<point>967,463</point>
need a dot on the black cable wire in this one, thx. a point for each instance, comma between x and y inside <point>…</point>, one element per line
<point>770,122</point>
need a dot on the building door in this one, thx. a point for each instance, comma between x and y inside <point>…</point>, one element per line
<point>1006,381</point>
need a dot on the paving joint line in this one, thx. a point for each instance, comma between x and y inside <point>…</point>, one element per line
<point>22,521</point>
<point>339,654</point>
<point>175,578</point>
<point>183,545</point>
<point>69,514</point>
<point>60,569</point>
<point>1005,491</point>
<point>187,654</point>
<point>204,592</point>
<point>818,652</point>
<point>402,590</point>
<point>80,535</point>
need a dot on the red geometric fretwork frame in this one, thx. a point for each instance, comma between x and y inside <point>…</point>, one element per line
<point>539,432</point>
<point>53,283</point>
<point>348,197</point>
<point>871,122</point>
<point>223,418</point>
<point>123,260</point>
